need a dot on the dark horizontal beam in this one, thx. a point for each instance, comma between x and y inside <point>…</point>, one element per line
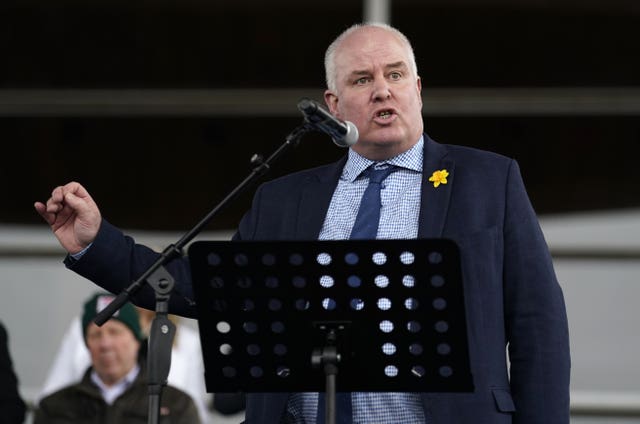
<point>524,101</point>
<point>596,254</point>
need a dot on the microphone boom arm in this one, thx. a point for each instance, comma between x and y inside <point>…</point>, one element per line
<point>163,283</point>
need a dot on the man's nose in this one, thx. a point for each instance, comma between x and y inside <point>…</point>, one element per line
<point>381,89</point>
<point>105,341</point>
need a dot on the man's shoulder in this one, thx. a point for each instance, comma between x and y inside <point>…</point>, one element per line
<point>68,395</point>
<point>471,160</point>
<point>472,154</point>
<point>172,392</point>
<point>328,172</point>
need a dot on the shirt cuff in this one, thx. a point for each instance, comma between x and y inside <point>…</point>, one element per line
<point>81,253</point>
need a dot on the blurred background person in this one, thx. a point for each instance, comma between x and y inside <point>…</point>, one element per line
<point>186,373</point>
<point>114,388</point>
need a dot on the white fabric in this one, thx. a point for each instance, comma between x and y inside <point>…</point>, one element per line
<point>70,362</point>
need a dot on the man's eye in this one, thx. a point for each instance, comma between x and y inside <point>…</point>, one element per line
<point>361,81</point>
<point>116,331</point>
<point>395,76</point>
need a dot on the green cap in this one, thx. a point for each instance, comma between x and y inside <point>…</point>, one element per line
<point>127,314</point>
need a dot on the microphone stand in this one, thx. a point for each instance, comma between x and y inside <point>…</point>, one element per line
<point>162,329</point>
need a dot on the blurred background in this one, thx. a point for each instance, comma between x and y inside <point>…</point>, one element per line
<point>157,107</point>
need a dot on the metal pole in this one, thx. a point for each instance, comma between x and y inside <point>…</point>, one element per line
<point>377,11</point>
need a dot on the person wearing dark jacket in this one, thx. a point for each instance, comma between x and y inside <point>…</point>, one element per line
<point>83,403</point>
<point>114,389</point>
<point>12,407</point>
<point>398,183</point>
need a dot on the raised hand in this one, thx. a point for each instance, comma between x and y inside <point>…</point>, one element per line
<point>72,215</point>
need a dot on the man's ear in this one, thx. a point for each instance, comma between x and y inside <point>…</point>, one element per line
<point>331,99</point>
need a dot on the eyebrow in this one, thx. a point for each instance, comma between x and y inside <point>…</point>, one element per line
<point>399,64</point>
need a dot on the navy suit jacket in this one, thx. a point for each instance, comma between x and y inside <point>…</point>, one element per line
<point>513,300</point>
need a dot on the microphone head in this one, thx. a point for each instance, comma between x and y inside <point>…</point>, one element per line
<point>350,138</point>
<point>307,106</point>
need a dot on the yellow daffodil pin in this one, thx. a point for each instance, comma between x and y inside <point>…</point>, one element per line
<point>439,177</point>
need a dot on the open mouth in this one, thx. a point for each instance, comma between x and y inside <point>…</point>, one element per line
<point>384,114</point>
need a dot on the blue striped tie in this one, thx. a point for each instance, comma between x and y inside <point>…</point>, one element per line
<point>365,227</point>
<point>368,218</point>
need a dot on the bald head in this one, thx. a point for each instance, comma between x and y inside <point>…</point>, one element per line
<point>373,83</point>
<point>332,51</point>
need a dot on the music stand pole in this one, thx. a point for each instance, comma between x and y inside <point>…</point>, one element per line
<point>160,342</point>
<point>328,358</point>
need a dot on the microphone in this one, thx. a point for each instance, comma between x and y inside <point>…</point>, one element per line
<point>344,134</point>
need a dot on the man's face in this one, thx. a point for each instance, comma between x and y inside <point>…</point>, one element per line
<point>113,348</point>
<point>377,90</point>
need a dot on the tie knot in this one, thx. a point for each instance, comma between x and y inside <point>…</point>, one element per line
<point>379,175</point>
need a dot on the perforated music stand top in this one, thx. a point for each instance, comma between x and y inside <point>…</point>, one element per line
<point>262,307</point>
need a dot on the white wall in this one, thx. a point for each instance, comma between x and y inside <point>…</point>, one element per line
<point>38,298</point>
<point>601,297</point>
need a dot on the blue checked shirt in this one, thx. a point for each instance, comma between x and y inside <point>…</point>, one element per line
<point>400,197</point>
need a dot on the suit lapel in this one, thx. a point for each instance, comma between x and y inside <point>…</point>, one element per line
<point>434,201</point>
<point>315,199</point>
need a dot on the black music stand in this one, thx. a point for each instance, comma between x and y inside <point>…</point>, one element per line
<point>389,314</point>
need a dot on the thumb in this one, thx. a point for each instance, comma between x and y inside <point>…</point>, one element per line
<point>81,204</point>
<point>88,215</point>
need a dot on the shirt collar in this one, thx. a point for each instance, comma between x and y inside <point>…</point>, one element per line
<point>411,159</point>
<point>110,393</point>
